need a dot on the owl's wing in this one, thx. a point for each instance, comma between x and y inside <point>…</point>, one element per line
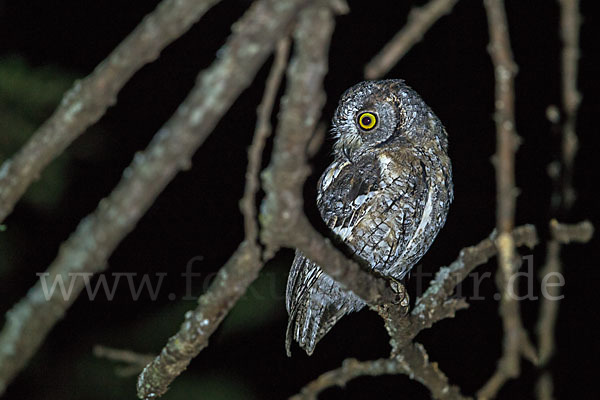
<point>376,210</point>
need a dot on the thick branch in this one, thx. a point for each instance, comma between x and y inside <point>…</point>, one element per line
<point>229,285</point>
<point>235,277</point>
<point>89,247</point>
<point>420,20</point>
<point>301,109</point>
<point>89,98</point>
<point>284,223</point>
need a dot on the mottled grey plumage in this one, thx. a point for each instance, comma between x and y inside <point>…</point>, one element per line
<point>385,196</point>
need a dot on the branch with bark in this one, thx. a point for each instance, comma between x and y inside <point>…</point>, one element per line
<point>413,362</point>
<point>420,20</point>
<point>306,70</point>
<point>561,234</point>
<point>564,195</point>
<point>516,341</point>
<point>96,237</point>
<point>265,27</point>
<point>234,277</point>
<point>435,304</point>
<point>88,99</point>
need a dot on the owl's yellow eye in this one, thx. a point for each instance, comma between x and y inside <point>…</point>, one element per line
<point>367,121</point>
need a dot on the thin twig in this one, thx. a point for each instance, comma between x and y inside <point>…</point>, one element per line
<point>135,362</point>
<point>548,307</point>
<point>89,98</point>
<point>261,133</point>
<point>544,387</point>
<point>561,234</point>
<point>569,233</point>
<point>96,237</point>
<point>564,194</point>
<point>413,362</point>
<point>570,21</point>
<point>516,341</point>
<point>447,278</point>
<point>436,302</point>
<point>420,20</point>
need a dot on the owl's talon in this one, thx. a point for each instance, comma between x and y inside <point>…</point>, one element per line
<point>402,297</point>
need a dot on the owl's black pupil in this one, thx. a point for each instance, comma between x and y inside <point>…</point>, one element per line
<point>366,120</point>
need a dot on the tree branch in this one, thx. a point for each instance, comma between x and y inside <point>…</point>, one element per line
<point>234,278</point>
<point>229,285</point>
<point>435,304</point>
<point>261,133</point>
<point>282,217</point>
<point>561,234</point>
<point>89,247</point>
<point>569,233</point>
<point>135,362</point>
<point>516,341</point>
<point>420,20</point>
<point>413,362</point>
<point>89,98</point>
<point>570,21</point>
<point>301,108</point>
<point>564,195</point>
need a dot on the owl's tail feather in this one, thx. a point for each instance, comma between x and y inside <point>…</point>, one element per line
<point>317,312</point>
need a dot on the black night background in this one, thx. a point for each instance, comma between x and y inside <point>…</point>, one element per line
<point>45,46</point>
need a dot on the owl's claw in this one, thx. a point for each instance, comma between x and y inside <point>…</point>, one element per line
<point>402,297</point>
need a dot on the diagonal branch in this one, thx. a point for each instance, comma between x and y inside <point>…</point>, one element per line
<point>89,98</point>
<point>229,285</point>
<point>442,287</point>
<point>134,362</point>
<point>96,237</point>
<point>235,276</point>
<point>437,303</point>
<point>420,20</point>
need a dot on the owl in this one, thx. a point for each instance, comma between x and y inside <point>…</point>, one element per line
<point>385,197</point>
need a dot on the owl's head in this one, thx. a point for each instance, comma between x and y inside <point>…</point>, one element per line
<point>382,113</point>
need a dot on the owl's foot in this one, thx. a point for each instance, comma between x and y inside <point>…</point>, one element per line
<point>402,297</point>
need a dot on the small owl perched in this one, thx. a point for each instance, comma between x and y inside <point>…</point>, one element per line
<point>385,196</point>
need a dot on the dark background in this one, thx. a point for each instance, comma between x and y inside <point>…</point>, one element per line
<point>45,45</point>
